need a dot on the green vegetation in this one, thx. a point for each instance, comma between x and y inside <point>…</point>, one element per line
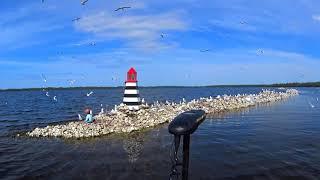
<point>295,84</point>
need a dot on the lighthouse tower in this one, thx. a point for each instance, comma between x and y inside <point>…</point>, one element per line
<point>131,93</point>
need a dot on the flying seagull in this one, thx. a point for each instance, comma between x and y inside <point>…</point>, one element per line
<point>311,105</point>
<point>90,93</point>
<point>92,43</point>
<point>44,78</point>
<point>122,8</point>
<point>76,19</point>
<point>83,2</point>
<point>205,50</point>
<point>243,22</point>
<point>260,51</point>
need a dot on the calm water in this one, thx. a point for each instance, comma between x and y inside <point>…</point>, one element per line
<point>272,141</point>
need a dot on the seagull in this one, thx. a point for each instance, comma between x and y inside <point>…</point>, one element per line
<point>122,8</point>
<point>162,35</point>
<point>71,82</point>
<point>243,22</point>
<point>92,43</point>
<point>90,93</point>
<point>114,78</point>
<point>101,111</point>
<point>79,116</point>
<point>205,50</point>
<point>83,2</point>
<point>55,98</point>
<point>76,19</point>
<point>44,78</point>
<point>47,94</point>
<point>311,105</point>
<point>260,51</point>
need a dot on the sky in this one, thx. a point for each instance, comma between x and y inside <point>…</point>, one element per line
<point>176,42</point>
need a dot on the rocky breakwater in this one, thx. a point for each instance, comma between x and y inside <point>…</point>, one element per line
<point>121,119</point>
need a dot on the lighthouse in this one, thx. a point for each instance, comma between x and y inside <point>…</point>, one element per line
<point>131,93</point>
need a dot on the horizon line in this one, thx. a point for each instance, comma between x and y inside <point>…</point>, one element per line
<point>289,84</point>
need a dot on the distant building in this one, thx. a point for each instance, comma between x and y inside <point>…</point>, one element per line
<point>131,93</point>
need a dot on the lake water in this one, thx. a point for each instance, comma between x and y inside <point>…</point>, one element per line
<point>271,141</point>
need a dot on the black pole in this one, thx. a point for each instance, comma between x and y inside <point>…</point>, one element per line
<point>185,166</point>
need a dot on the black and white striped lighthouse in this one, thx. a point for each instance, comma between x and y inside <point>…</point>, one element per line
<point>131,93</point>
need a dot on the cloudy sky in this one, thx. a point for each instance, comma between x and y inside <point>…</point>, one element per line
<point>177,42</point>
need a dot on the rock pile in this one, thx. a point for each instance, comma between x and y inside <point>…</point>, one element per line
<point>121,119</point>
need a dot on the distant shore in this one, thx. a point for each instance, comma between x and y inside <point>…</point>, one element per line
<point>294,84</point>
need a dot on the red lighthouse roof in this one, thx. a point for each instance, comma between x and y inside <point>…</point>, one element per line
<point>132,75</point>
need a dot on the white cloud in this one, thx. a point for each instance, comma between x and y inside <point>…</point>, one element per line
<point>141,31</point>
<point>316,17</point>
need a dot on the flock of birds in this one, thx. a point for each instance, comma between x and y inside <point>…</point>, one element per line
<point>123,8</point>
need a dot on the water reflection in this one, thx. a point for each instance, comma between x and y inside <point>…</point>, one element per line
<point>133,145</point>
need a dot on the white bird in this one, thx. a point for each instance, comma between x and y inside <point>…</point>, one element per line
<point>79,116</point>
<point>243,22</point>
<point>183,100</point>
<point>311,105</point>
<point>71,82</point>
<point>76,19</point>
<point>248,99</point>
<point>83,2</point>
<point>44,78</point>
<point>101,111</point>
<point>122,8</point>
<point>260,51</point>
<point>204,50</point>
<point>47,94</point>
<point>90,93</point>
<point>142,101</point>
<point>55,98</point>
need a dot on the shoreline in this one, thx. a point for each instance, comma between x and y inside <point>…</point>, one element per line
<point>122,120</point>
<point>275,85</point>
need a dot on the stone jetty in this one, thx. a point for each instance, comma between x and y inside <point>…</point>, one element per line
<point>122,120</point>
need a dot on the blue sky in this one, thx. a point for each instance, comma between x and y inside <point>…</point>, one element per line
<point>249,42</point>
